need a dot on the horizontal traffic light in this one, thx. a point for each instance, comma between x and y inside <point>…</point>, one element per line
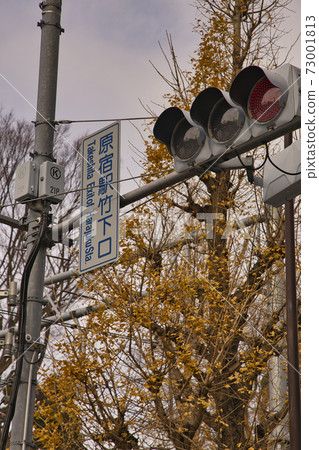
<point>259,107</point>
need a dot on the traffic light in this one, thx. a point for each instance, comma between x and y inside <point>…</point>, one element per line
<point>259,107</point>
<point>186,142</point>
<point>224,122</point>
<point>269,99</point>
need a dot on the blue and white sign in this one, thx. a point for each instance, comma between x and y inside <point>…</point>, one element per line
<point>100,201</point>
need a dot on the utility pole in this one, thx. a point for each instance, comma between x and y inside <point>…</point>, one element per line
<point>21,432</point>
<point>276,372</point>
<point>279,437</point>
<point>292,325</point>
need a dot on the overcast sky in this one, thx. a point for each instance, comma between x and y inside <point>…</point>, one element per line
<point>104,68</point>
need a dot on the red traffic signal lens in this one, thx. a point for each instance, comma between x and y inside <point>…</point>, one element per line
<point>224,122</point>
<point>264,101</point>
<point>187,140</point>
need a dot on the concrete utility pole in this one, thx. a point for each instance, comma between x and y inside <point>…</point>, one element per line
<point>292,325</point>
<point>276,374</point>
<point>279,438</point>
<point>21,432</point>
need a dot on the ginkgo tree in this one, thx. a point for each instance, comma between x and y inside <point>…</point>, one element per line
<point>177,355</point>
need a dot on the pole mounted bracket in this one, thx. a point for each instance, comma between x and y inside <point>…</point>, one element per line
<point>35,343</point>
<point>4,293</point>
<point>56,3</point>
<point>50,157</point>
<point>11,293</point>
<point>42,23</point>
<point>50,122</point>
<point>250,174</point>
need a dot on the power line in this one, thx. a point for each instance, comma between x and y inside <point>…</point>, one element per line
<point>67,122</point>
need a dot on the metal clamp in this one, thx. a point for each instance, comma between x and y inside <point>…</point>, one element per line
<point>41,24</point>
<point>11,293</point>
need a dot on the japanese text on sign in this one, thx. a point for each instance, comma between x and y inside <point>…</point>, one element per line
<point>100,198</point>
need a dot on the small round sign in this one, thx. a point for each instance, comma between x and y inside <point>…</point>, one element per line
<point>55,173</point>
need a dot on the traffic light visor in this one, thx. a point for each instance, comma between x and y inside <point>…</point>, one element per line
<point>262,94</point>
<point>187,140</point>
<point>182,137</point>
<point>165,125</point>
<point>225,122</point>
<point>218,115</point>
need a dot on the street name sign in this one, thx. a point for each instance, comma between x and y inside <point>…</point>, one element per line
<point>100,198</point>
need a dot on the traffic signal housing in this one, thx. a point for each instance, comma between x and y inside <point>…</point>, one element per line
<point>224,122</point>
<point>260,106</point>
<point>269,99</point>
<point>186,142</point>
